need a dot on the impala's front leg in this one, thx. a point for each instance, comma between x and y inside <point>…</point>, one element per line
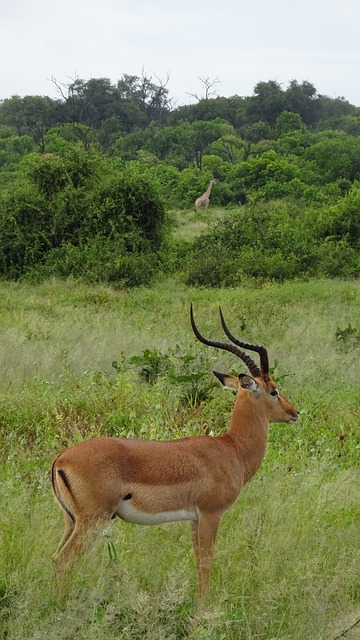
<point>203,533</point>
<point>195,541</point>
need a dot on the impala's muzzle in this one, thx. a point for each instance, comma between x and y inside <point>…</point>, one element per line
<point>294,418</point>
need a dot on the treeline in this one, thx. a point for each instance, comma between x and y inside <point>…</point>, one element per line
<point>86,181</point>
<point>138,106</point>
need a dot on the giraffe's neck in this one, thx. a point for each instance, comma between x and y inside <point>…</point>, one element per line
<point>208,190</point>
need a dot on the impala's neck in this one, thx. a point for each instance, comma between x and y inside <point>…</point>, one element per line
<point>248,431</point>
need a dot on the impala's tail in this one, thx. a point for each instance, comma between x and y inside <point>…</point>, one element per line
<point>61,485</point>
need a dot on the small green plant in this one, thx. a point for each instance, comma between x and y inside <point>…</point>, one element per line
<point>119,365</point>
<point>186,370</point>
<point>348,336</point>
<point>151,363</point>
<point>278,378</point>
<point>193,377</point>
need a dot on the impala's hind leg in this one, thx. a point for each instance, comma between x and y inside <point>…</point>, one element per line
<point>74,543</point>
<point>69,522</point>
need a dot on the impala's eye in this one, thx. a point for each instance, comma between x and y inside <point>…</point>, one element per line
<point>274,392</point>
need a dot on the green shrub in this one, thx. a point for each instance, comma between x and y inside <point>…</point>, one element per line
<point>348,336</point>
<point>337,258</point>
<point>188,371</point>
<point>277,241</point>
<point>81,215</point>
<point>152,364</point>
<point>100,260</point>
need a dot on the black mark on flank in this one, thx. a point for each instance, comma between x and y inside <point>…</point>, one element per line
<point>65,480</point>
<point>128,496</point>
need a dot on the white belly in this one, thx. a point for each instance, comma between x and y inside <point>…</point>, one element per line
<point>128,513</point>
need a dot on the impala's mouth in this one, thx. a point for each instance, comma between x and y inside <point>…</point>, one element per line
<point>293,419</point>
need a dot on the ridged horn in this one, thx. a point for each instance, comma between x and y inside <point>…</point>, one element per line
<point>253,368</point>
<point>260,349</point>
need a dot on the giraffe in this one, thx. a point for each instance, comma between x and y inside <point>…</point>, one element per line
<point>204,200</point>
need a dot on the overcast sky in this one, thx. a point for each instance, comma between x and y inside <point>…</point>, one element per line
<point>238,42</point>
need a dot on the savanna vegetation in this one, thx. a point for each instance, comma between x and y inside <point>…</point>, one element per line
<point>100,257</point>
<point>90,183</point>
<point>82,360</point>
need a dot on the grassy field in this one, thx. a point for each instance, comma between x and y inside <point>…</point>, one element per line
<point>189,224</point>
<point>287,556</point>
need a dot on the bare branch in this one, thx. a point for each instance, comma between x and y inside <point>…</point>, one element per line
<point>66,90</point>
<point>208,88</point>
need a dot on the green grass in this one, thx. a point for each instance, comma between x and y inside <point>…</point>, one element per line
<point>189,224</point>
<point>287,554</point>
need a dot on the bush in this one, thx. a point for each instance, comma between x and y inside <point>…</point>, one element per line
<point>129,204</point>
<point>81,215</point>
<point>277,241</point>
<point>99,260</point>
<point>24,216</point>
<point>341,221</point>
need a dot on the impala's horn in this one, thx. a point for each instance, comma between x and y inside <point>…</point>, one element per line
<point>264,360</point>
<point>253,368</point>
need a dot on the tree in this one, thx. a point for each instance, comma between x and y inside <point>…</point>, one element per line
<point>287,122</point>
<point>302,99</point>
<point>99,99</point>
<point>174,144</point>
<point>204,133</point>
<point>257,131</point>
<point>31,115</point>
<point>134,101</point>
<point>128,147</point>
<point>269,176</point>
<point>267,102</point>
<point>60,139</point>
<point>331,109</point>
<point>229,147</point>
<point>230,109</point>
<point>350,124</point>
<point>12,149</point>
<point>152,99</point>
<point>71,94</point>
<point>337,158</point>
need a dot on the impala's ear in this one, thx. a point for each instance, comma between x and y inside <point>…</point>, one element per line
<point>247,382</point>
<point>229,382</point>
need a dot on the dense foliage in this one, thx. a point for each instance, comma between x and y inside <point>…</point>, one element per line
<point>82,215</point>
<point>86,179</point>
<point>277,241</point>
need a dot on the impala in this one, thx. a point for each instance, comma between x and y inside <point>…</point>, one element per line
<point>152,482</point>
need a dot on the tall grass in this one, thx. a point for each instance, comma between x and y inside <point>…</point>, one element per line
<point>286,562</point>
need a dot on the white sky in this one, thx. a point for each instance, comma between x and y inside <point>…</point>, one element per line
<point>239,42</point>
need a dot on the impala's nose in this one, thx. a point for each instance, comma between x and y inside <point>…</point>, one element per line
<point>294,418</point>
